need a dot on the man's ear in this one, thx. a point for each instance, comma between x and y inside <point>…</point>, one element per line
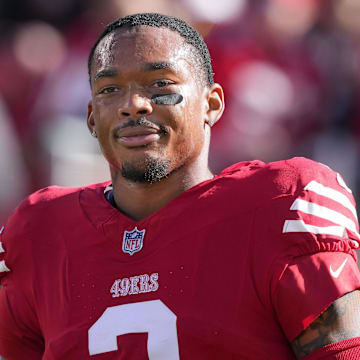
<point>216,104</point>
<point>90,118</point>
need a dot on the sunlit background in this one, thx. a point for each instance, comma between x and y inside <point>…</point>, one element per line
<point>290,69</point>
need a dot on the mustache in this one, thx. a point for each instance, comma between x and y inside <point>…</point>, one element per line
<point>142,121</point>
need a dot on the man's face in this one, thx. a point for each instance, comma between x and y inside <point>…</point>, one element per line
<point>148,105</point>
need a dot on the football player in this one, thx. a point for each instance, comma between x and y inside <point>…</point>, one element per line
<point>169,261</point>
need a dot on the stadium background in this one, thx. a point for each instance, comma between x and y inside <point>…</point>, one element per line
<point>290,69</point>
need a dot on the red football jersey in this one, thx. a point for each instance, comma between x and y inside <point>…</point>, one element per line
<point>234,268</point>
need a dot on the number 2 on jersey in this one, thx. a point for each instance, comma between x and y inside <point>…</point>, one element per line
<point>152,317</point>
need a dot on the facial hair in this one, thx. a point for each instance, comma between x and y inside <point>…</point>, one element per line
<point>151,171</point>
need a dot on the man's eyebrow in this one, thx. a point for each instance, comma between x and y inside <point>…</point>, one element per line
<point>105,73</point>
<point>151,66</point>
<point>160,65</point>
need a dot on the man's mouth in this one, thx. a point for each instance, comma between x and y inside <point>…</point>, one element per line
<point>139,135</point>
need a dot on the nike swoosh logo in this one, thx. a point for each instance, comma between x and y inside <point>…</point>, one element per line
<point>336,273</point>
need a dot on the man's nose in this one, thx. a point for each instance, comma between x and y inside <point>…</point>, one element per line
<point>136,105</point>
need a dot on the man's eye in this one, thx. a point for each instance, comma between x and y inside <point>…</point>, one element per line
<point>108,90</point>
<point>162,83</point>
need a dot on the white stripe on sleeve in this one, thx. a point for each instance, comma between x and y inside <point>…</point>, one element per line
<point>342,183</point>
<point>331,194</point>
<point>324,213</point>
<point>294,226</point>
<point>300,226</point>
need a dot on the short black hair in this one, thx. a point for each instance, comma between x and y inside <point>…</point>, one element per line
<point>189,34</point>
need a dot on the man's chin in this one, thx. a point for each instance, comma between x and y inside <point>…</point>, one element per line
<point>152,170</point>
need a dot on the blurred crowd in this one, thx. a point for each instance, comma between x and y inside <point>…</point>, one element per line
<point>290,70</point>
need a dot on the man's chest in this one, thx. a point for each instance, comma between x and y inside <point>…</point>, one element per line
<point>183,293</point>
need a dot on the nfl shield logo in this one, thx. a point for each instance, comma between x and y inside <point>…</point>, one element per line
<point>133,241</point>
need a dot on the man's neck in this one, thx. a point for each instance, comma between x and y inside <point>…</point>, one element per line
<point>139,200</point>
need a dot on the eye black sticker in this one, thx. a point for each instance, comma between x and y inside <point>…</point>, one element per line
<point>167,99</point>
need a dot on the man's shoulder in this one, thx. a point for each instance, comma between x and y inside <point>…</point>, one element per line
<point>306,204</point>
<point>42,214</point>
<point>53,197</point>
<point>283,177</point>
<point>49,196</point>
<point>289,170</point>
<point>50,203</point>
<point>299,170</point>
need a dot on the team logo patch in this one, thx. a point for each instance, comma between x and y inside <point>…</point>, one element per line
<point>133,241</point>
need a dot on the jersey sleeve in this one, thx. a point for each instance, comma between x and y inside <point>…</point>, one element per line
<point>309,233</point>
<point>20,337</point>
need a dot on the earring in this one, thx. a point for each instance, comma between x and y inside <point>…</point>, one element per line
<point>94,134</point>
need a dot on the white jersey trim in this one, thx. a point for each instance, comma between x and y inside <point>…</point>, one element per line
<point>108,188</point>
<point>324,213</point>
<point>3,267</point>
<point>293,226</point>
<point>342,183</point>
<point>1,248</point>
<point>332,194</point>
<point>300,226</point>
